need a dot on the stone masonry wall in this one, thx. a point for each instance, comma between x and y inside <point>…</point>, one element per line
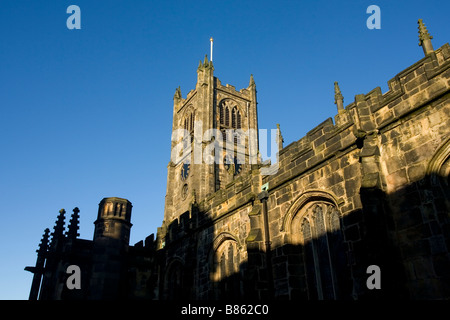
<point>378,151</point>
<point>371,169</point>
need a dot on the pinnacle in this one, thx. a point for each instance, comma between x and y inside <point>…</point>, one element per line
<point>338,98</point>
<point>205,63</point>
<point>73,224</point>
<point>252,81</point>
<point>337,93</point>
<point>423,32</point>
<point>425,38</point>
<point>177,94</point>
<point>44,241</point>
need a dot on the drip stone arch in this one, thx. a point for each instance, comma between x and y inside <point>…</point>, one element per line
<point>222,242</point>
<point>222,237</point>
<point>226,116</point>
<point>439,166</point>
<point>173,278</point>
<point>188,118</point>
<point>300,202</point>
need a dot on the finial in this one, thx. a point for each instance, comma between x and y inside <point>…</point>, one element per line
<point>58,229</point>
<point>252,81</point>
<point>59,225</point>
<point>177,94</point>
<point>338,98</point>
<point>43,246</point>
<point>425,38</point>
<point>205,64</point>
<point>280,139</point>
<point>73,227</point>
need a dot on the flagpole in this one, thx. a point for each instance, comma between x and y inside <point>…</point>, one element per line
<point>211,54</point>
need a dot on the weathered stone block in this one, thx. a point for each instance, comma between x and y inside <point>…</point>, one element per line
<point>416,172</point>
<point>370,180</point>
<point>397,178</point>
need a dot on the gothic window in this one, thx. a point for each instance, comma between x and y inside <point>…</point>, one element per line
<point>227,117</point>
<point>321,238</point>
<point>174,281</point>
<point>229,111</point>
<point>225,276</point>
<point>230,119</point>
<point>188,124</point>
<point>236,118</point>
<point>221,114</point>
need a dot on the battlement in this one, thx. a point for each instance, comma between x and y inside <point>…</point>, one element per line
<point>371,113</point>
<point>410,90</point>
<point>243,93</point>
<point>148,244</point>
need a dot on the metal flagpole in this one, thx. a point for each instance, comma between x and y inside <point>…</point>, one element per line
<point>211,55</point>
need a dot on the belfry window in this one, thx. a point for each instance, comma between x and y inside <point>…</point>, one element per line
<point>235,118</point>
<point>225,113</point>
<point>229,111</point>
<point>188,124</point>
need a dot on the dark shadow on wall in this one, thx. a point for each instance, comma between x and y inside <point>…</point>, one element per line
<point>405,234</point>
<point>332,266</point>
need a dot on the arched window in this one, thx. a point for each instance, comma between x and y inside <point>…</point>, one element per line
<point>188,124</point>
<point>225,271</point>
<point>224,115</point>
<point>318,226</point>
<point>229,111</point>
<point>229,118</point>
<point>174,281</point>
<point>236,118</point>
<point>439,167</point>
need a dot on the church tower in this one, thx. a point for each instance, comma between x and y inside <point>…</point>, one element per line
<point>214,140</point>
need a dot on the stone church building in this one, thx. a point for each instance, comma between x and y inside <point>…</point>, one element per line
<point>358,208</point>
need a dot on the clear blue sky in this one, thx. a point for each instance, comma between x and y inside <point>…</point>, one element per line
<point>86,114</point>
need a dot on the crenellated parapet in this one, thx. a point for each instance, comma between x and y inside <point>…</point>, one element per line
<point>368,114</point>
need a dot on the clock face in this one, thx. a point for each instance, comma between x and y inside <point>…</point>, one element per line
<point>185,171</point>
<point>237,167</point>
<point>231,165</point>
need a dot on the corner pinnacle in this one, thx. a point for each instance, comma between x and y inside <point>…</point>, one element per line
<point>423,32</point>
<point>252,81</point>
<point>177,94</point>
<point>425,38</point>
<point>338,98</point>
